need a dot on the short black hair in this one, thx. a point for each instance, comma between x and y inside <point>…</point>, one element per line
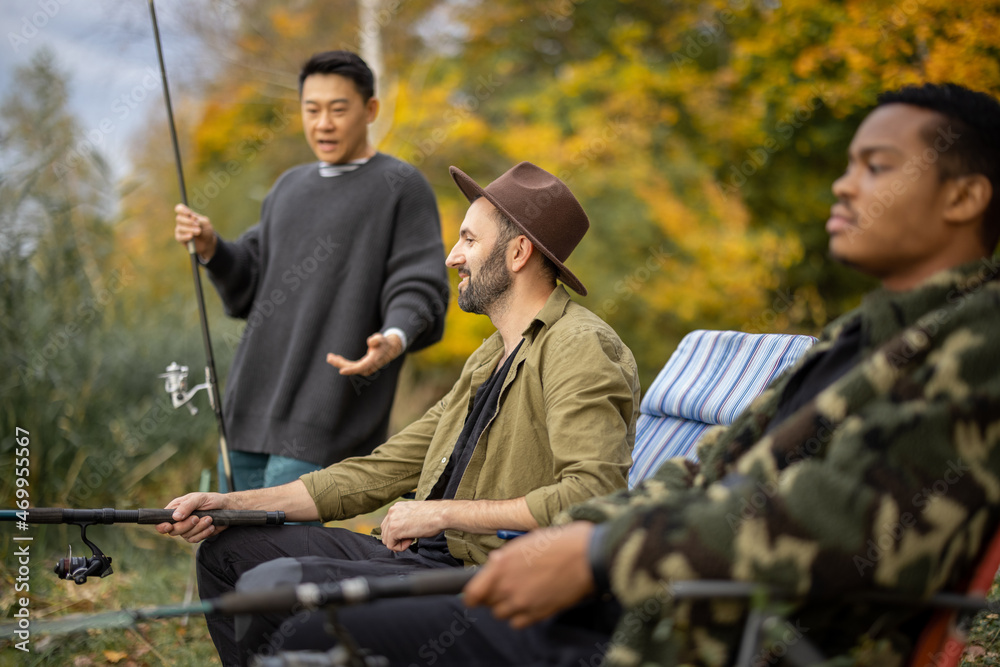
<point>972,122</point>
<point>343,63</point>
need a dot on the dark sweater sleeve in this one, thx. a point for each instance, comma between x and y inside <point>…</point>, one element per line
<point>415,294</point>
<point>235,271</point>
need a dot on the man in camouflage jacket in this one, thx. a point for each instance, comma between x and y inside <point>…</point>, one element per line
<point>888,479</point>
<point>872,465</point>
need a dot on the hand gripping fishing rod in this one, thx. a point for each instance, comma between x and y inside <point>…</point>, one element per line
<point>99,565</point>
<point>210,375</point>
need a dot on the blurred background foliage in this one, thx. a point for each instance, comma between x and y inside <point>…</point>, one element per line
<point>701,137</point>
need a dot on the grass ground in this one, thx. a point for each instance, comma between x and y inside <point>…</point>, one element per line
<point>154,571</point>
<point>984,635</point>
<point>150,571</point>
<point>161,643</point>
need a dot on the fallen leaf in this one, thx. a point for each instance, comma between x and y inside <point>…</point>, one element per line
<point>82,661</point>
<point>114,657</point>
<point>975,652</point>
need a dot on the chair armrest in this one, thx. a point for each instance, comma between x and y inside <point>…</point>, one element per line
<point>510,534</point>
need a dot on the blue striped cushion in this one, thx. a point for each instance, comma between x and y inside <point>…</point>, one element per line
<point>674,437</point>
<point>714,375</point>
<point>711,378</point>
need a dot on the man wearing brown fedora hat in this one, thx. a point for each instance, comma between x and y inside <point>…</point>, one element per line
<point>542,417</point>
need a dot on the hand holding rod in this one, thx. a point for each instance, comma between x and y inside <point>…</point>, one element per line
<point>80,568</point>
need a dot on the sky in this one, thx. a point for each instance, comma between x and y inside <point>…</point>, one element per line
<point>107,48</point>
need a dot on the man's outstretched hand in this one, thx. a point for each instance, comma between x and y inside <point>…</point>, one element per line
<point>536,575</point>
<point>381,350</point>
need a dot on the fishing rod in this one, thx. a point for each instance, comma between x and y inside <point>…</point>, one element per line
<point>311,597</point>
<point>356,590</point>
<point>175,384</point>
<point>79,568</point>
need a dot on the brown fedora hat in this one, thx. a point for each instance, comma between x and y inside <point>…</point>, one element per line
<point>541,206</point>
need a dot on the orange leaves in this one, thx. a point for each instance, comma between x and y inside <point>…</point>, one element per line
<point>289,24</point>
<point>213,137</point>
<point>967,52</point>
<point>882,43</point>
<point>723,271</point>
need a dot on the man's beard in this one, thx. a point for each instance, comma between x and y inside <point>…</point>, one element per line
<point>491,287</point>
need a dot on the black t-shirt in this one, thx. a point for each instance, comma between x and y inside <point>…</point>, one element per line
<point>820,373</point>
<point>484,407</point>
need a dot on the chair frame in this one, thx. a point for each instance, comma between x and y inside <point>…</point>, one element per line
<point>941,643</point>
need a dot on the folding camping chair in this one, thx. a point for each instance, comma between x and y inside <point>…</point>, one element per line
<point>941,643</point>
<point>711,378</point>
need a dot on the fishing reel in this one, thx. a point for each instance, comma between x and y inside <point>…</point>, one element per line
<point>78,568</point>
<point>175,382</point>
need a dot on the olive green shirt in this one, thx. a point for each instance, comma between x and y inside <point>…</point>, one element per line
<point>562,433</point>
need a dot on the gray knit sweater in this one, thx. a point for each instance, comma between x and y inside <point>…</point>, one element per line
<point>332,261</point>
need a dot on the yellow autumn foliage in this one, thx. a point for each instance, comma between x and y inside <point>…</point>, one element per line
<point>701,137</point>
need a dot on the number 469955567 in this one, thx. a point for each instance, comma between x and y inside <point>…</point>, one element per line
<point>22,463</point>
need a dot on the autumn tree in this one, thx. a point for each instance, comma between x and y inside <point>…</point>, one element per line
<point>73,376</point>
<point>701,137</point>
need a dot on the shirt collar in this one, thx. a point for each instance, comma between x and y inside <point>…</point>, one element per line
<point>553,309</point>
<point>328,170</point>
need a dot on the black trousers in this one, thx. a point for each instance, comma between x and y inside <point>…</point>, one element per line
<point>443,632</point>
<point>436,630</point>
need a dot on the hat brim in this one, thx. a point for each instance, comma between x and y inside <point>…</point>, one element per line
<point>473,191</point>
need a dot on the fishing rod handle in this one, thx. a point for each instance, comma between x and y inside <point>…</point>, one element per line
<point>147,516</point>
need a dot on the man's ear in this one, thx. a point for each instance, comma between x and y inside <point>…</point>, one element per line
<point>371,108</point>
<point>520,252</point>
<point>968,198</point>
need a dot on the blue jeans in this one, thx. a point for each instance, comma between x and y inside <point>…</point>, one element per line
<point>255,471</point>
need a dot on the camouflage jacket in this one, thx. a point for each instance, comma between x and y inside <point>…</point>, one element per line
<point>888,480</point>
